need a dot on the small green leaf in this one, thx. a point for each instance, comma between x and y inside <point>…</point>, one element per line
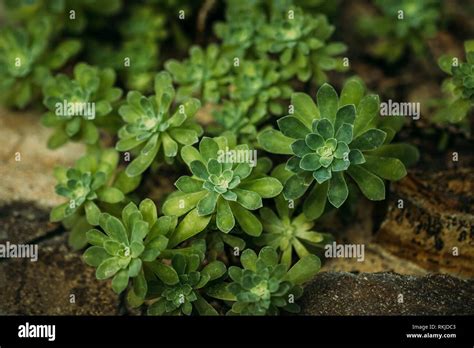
<point>120,281</point>
<point>315,203</point>
<point>294,187</point>
<point>291,127</point>
<point>274,141</point>
<point>166,273</point>
<point>303,270</point>
<point>367,110</point>
<point>327,102</point>
<point>371,185</point>
<point>305,108</point>
<point>191,225</point>
<point>207,204</point>
<point>266,187</point>
<point>338,190</point>
<point>95,255</point>
<point>370,140</point>
<point>352,92</point>
<point>247,221</point>
<point>225,218</point>
<point>385,167</point>
<point>187,184</point>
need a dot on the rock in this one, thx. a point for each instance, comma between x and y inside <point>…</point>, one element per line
<point>334,293</point>
<point>23,222</point>
<point>376,259</point>
<point>45,287</point>
<point>26,164</point>
<point>434,226</point>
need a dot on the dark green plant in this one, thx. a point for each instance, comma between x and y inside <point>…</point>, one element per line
<point>180,291</point>
<point>337,137</point>
<point>27,58</point>
<point>152,128</point>
<point>203,74</point>
<point>459,88</point>
<point>403,25</point>
<point>287,233</point>
<point>125,245</point>
<point>264,286</point>
<point>78,107</point>
<point>222,186</point>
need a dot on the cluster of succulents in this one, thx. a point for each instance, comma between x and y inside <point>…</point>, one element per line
<point>239,234</point>
<point>401,26</point>
<point>28,56</point>
<point>79,107</point>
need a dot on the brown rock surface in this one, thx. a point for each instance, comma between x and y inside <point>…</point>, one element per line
<point>334,293</point>
<point>435,222</point>
<point>30,178</point>
<point>45,287</point>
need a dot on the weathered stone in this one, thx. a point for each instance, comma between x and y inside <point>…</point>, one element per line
<point>26,164</point>
<point>333,293</point>
<point>435,225</point>
<point>45,287</point>
<point>376,259</point>
<point>22,222</point>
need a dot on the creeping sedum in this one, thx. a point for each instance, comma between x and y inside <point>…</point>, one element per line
<point>403,24</point>
<point>79,107</point>
<point>205,73</point>
<point>89,186</point>
<point>179,293</point>
<point>332,141</point>
<point>263,286</point>
<point>224,186</point>
<point>124,245</point>
<point>27,59</point>
<point>287,233</point>
<point>153,127</point>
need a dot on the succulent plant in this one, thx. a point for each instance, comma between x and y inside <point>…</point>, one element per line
<point>79,107</point>
<point>151,125</point>
<point>403,25</point>
<point>27,58</point>
<point>286,233</point>
<point>264,286</point>
<point>204,74</point>
<point>258,84</point>
<point>179,291</point>
<point>296,36</point>
<point>90,186</point>
<point>224,185</point>
<point>460,87</point>
<point>87,182</point>
<point>338,136</point>
<point>239,30</point>
<point>125,245</point>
